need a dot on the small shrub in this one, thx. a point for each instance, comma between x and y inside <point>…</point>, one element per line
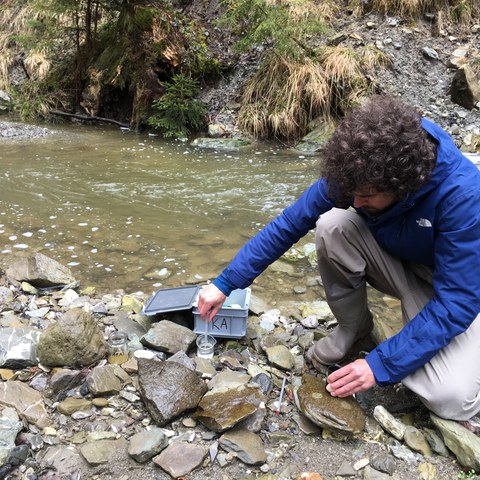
<point>177,112</point>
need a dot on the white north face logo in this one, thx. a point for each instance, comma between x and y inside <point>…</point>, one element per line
<point>424,222</point>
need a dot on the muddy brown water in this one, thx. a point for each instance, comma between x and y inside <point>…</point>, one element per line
<point>121,209</point>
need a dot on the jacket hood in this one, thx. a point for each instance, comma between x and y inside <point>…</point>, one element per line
<point>448,160</point>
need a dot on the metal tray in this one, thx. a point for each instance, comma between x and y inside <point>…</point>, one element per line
<point>171,300</point>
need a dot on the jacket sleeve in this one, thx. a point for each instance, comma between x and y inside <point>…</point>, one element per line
<point>456,300</point>
<point>275,239</point>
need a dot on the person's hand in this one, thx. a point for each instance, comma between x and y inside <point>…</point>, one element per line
<point>352,378</point>
<point>210,301</point>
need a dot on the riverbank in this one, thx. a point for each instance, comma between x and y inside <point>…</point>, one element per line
<point>68,410</point>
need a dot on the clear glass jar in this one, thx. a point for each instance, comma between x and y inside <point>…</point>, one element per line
<point>117,348</point>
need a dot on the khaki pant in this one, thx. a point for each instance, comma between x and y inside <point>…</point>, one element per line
<point>348,257</point>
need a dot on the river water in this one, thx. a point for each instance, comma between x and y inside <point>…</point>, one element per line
<point>125,210</point>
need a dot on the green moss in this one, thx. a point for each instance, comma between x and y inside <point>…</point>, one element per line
<point>143,18</point>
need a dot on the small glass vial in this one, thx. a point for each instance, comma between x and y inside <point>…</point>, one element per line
<point>117,348</point>
<point>205,346</point>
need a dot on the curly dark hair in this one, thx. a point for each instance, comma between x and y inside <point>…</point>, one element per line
<point>380,145</point>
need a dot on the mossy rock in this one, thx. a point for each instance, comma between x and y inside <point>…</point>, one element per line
<point>221,143</point>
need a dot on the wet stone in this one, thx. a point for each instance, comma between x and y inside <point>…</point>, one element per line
<point>168,389</point>
<point>223,410</point>
<point>341,415</point>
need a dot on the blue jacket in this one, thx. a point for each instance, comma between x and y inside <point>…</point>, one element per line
<point>438,225</point>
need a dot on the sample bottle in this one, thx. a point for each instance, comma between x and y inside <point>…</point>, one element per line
<point>117,348</point>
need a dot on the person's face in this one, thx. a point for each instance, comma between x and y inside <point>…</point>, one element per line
<point>373,203</point>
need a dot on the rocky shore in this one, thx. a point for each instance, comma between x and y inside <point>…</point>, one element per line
<point>66,412</point>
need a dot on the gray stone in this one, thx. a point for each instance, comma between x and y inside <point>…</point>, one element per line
<point>180,458</point>
<point>388,422</point>
<point>404,453</point>
<point>96,453</point>
<point>346,470</point>
<point>146,444</point>
<point>74,340</point>
<point>430,53</point>
<point>63,460</point>
<point>227,380</point>
<point>463,443</point>
<point>465,88</point>
<point>340,415</point>
<point>10,426</point>
<point>247,445</point>
<point>71,405</point>
<point>436,442</point>
<point>309,322</point>
<point>416,440</point>
<point>169,337</point>
<point>18,347</point>
<point>40,271</point>
<point>370,473</point>
<point>306,425</point>
<point>103,380</point>
<point>319,309</point>
<point>257,305</point>
<point>183,359</point>
<point>124,323</point>
<point>217,130</point>
<point>281,357</point>
<point>6,296</point>
<point>168,389</point>
<point>63,380</point>
<point>26,401</point>
<point>383,463</point>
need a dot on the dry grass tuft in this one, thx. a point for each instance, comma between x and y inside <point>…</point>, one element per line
<point>458,11</point>
<point>37,64</point>
<point>285,96</point>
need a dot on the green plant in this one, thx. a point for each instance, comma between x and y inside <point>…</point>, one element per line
<point>467,474</point>
<point>259,21</point>
<point>177,112</point>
